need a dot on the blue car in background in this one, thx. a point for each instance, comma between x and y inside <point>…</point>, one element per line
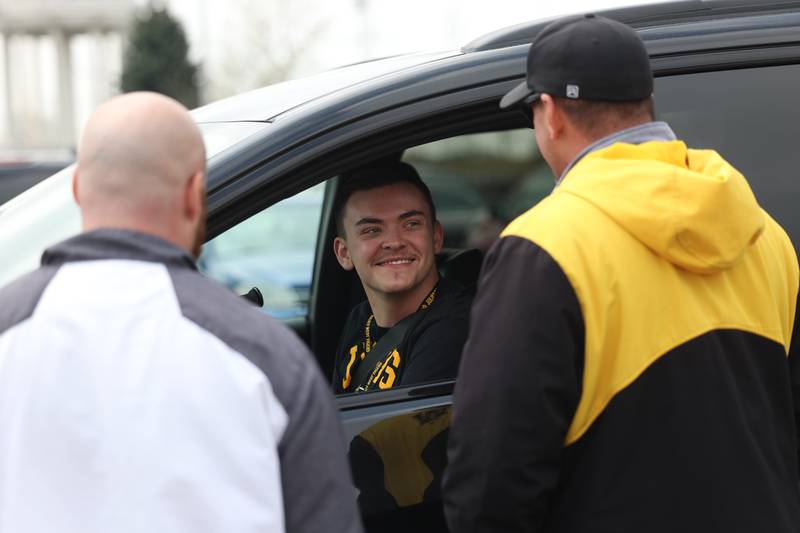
<point>273,251</point>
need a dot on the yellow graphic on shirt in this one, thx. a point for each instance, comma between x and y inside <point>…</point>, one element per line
<point>383,375</point>
<point>347,376</point>
<point>388,372</point>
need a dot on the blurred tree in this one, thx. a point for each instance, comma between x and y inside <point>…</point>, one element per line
<point>273,38</point>
<point>156,59</point>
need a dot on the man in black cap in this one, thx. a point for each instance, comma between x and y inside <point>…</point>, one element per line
<point>633,365</point>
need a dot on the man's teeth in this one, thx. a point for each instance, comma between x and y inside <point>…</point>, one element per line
<point>397,262</point>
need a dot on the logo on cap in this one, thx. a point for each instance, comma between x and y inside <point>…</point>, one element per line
<point>573,91</point>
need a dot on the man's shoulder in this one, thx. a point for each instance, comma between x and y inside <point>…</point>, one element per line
<point>356,319</point>
<point>20,297</point>
<point>775,233</point>
<point>448,314</point>
<point>433,347</point>
<point>567,227</point>
<point>359,311</point>
<point>270,345</point>
<point>557,215</point>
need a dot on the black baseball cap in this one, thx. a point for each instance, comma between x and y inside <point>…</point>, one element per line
<point>585,57</point>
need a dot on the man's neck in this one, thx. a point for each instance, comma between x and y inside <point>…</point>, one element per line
<point>158,227</point>
<point>635,132</point>
<point>389,309</point>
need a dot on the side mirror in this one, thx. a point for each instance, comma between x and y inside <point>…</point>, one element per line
<point>255,297</point>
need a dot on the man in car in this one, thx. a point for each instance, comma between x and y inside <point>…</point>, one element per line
<point>138,395</point>
<point>413,325</point>
<point>636,367</point>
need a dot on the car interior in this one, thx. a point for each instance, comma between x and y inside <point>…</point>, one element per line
<point>480,175</point>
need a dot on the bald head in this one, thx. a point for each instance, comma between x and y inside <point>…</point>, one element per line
<point>138,154</point>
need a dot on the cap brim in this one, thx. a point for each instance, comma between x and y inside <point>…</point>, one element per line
<point>516,95</point>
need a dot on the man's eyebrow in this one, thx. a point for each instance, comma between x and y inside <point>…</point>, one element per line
<point>412,213</point>
<point>368,220</point>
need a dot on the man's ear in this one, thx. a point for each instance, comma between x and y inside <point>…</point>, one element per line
<point>553,117</point>
<point>75,186</point>
<point>438,237</point>
<point>342,253</point>
<point>193,194</point>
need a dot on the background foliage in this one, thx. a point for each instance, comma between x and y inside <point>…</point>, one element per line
<point>156,59</point>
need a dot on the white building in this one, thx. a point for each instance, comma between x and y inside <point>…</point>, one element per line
<point>59,57</point>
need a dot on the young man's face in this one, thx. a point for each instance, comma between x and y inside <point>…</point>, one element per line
<point>390,239</point>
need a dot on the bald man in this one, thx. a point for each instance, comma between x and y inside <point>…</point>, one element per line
<point>137,395</point>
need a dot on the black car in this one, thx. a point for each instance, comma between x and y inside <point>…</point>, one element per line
<point>728,73</point>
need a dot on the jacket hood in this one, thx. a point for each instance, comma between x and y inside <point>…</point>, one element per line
<point>689,206</point>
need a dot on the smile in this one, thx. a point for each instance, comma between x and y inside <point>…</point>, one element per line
<point>399,261</point>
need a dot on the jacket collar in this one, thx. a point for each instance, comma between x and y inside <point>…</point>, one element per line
<point>130,245</point>
<point>650,131</point>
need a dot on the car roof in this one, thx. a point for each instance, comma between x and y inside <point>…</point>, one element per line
<point>261,105</point>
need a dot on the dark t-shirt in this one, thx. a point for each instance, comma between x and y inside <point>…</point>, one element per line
<point>430,350</point>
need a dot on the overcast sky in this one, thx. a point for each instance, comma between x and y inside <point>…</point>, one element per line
<point>243,44</point>
<point>338,32</point>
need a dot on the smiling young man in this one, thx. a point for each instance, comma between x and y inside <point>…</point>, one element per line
<point>388,232</point>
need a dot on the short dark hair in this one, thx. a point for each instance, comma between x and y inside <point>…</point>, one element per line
<point>375,176</point>
<point>600,118</point>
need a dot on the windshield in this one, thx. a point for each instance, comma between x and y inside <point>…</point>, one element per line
<point>46,213</point>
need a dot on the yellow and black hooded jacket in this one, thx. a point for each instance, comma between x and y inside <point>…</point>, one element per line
<point>631,365</point>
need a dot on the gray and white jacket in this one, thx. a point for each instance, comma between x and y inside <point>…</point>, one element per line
<point>136,395</point>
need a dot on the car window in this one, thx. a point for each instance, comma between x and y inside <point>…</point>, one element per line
<point>752,118</point>
<point>481,182</point>
<point>274,251</point>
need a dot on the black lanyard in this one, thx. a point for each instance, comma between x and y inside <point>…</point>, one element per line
<point>371,366</point>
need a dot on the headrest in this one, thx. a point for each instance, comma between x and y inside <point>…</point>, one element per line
<point>462,265</point>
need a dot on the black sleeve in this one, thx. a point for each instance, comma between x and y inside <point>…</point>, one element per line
<point>517,391</point>
<point>794,372</point>
<point>317,484</point>
<point>437,348</point>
